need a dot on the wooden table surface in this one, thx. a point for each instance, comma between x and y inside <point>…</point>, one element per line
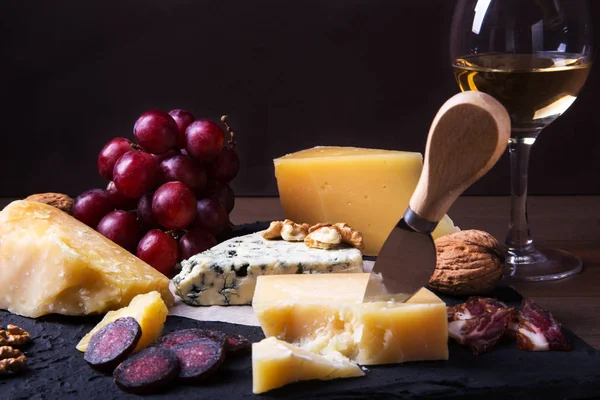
<point>570,223</point>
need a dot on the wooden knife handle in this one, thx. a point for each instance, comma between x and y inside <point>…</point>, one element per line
<point>467,136</point>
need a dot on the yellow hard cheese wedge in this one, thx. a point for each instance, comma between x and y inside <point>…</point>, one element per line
<point>325,313</point>
<point>52,263</point>
<point>149,310</point>
<point>367,188</point>
<point>276,363</point>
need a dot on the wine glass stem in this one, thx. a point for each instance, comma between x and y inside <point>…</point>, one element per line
<point>519,241</point>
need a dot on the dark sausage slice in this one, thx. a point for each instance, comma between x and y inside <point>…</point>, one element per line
<point>112,344</point>
<point>236,344</point>
<point>149,371</point>
<point>198,358</point>
<point>185,335</point>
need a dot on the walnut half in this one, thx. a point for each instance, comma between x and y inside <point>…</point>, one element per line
<point>11,360</point>
<point>350,236</point>
<point>468,263</point>
<point>293,232</point>
<point>14,336</point>
<point>323,237</point>
<point>273,231</point>
<point>287,230</point>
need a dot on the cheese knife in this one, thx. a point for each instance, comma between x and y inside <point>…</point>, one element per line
<point>467,136</point>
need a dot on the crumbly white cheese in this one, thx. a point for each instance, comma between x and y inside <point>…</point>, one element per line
<point>226,274</point>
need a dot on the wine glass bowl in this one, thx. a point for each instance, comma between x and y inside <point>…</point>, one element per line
<point>534,57</point>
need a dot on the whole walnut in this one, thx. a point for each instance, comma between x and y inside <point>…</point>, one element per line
<point>468,263</point>
<point>58,200</point>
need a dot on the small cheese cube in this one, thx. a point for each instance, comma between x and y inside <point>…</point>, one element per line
<point>276,363</point>
<point>369,189</point>
<point>326,313</point>
<point>148,309</point>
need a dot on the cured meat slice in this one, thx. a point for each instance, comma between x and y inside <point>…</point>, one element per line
<point>538,330</point>
<point>185,335</point>
<point>112,344</point>
<point>149,371</point>
<point>481,333</point>
<point>474,307</point>
<point>513,326</point>
<point>198,358</point>
<point>237,344</point>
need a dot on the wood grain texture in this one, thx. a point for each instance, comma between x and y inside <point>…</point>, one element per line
<point>568,222</point>
<point>467,136</point>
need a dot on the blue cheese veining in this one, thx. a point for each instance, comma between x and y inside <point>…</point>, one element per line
<point>226,274</point>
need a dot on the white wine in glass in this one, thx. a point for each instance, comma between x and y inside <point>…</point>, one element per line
<point>534,57</point>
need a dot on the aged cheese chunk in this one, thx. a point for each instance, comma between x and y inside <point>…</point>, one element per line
<point>226,274</point>
<point>149,310</point>
<point>367,188</point>
<point>276,363</point>
<point>52,263</point>
<point>326,313</point>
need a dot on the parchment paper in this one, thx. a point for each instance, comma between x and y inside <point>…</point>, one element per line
<point>243,315</point>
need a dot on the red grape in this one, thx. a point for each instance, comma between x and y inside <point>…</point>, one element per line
<point>90,206</point>
<point>221,192</point>
<point>174,205</point>
<point>211,215</point>
<point>226,166</point>
<point>121,227</point>
<point>109,155</point>
<point>194,242</point>
<point>182,119</point>
<point>159,249</point>
<point>144,212</point>
<point>185,170</point>
<point>118,200</point>
<point>135,173</point>
<point>156,131</point>
<point>204,139</point>
<point>171,153</point>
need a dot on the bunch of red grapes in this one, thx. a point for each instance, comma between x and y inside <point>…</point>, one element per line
<point>168,195</point>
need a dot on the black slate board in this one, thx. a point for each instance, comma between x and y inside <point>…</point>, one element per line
<point>57,370</point>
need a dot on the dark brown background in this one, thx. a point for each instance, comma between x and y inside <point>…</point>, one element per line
<point>291,75</point>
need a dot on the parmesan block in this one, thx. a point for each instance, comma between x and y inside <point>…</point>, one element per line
<point>326,314</point>
<point>276,363</point>
<point>368,189</point>
<point>52,263</point>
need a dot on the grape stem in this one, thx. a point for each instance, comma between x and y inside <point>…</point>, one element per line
<point>136,146</point>
<point>231,141</point>
<point>175,233</point>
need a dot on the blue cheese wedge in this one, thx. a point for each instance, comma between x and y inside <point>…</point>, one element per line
<point>226,274</point>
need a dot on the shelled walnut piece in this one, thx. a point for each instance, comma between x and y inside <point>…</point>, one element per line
<point>58,200</point>
<point>468,263</point>
<point>14,336</point>
<point>11,360</point>
<point>321,235</point>
<point>287,230</point>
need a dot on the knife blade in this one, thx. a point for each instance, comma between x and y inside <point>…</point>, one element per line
<point>467,136</point>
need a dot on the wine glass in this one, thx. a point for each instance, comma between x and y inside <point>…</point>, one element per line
<point>533,56</point>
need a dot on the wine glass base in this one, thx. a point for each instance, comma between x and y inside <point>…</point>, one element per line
<point>543,264</point>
